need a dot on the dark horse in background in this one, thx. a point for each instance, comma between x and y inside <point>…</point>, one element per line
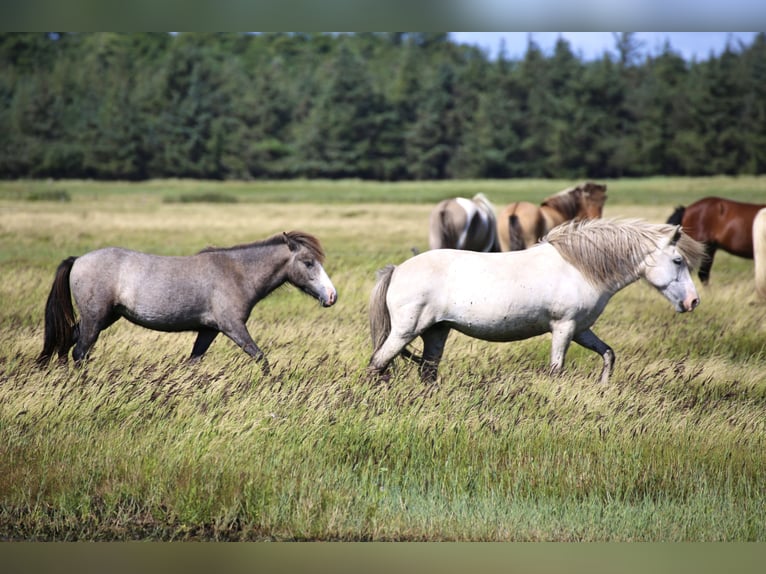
<point>719,224</point>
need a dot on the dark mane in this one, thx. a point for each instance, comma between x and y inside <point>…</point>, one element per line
<point>571,201</point>
<point>307,240</point>
<point>566,202</point>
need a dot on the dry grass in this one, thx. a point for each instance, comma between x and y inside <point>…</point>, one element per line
<point>138,445</point>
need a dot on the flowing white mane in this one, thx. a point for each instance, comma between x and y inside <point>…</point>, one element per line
<point>609,252</point>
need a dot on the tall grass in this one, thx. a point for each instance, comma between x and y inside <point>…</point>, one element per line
<point>138,445</point>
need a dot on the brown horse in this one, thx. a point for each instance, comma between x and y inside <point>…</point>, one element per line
<point>462,223</point>
<point>719,224</point>
<point>522,224</point>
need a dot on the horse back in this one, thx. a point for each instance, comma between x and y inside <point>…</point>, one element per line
<point>160,292</point>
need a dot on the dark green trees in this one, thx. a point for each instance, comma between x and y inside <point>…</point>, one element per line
<point>380,106</point>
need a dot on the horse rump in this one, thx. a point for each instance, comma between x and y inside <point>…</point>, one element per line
<point>60,322</point>
<point>380,318</point>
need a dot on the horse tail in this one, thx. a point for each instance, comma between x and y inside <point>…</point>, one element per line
<point>60,322</point>
<point>516,240</point>
<point>380,318</point>
<point>677,216</point>
<point>759,252</point>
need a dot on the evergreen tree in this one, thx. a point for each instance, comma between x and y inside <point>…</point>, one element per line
<point>430,142</point>
<point>341,136</point>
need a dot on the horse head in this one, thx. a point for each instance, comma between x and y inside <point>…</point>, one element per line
<point>305,270</point>
<point>591,197</point>
<point>668,268</point>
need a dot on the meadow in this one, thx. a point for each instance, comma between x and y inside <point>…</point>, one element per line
<point>137,444</point>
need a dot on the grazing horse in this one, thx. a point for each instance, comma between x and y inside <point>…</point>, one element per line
<point>522,224</point>
<point>719,224</point>
<point>462,223</point>
<point>211,292</point>
<point>759,251</point>
<point>559,286</point>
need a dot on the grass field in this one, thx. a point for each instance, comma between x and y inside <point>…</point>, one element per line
<point>138,445</point>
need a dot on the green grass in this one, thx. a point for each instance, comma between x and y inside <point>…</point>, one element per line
<point>137,445</point>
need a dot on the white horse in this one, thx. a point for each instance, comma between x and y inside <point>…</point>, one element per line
<point>462,223</point>
<point>759,251</point>
<point>559,286</point>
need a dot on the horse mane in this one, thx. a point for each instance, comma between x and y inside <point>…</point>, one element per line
<point>608,252</point>
<point>568,201</point>
<point>307,240</point>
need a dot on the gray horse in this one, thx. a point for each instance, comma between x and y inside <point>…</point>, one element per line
<point>211,292</point>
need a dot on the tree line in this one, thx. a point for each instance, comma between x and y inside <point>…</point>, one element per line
<point>386,106</point>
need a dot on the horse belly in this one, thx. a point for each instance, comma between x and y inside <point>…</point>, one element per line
<point>489,321</point>
<point>162,319</point>
<point>166,305</point>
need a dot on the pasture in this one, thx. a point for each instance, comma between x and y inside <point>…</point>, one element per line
<point>139,445</point>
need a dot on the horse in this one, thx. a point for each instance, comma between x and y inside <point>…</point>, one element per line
<point>719,224</point>
<point>560,286</point>
<point>522,224</point>
<point>462,223</point>
<point>759,251</point>
<point>211,292</point>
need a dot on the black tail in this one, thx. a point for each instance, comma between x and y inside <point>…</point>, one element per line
<point>515,239</point>
<point>60,322</point>
<point>678,215</point>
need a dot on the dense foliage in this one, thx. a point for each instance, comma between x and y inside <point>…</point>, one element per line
<point>386,106</point>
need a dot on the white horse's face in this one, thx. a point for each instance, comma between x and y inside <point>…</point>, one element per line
<point>666,270</point>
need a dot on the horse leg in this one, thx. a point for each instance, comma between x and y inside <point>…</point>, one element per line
<point>562,335</point>
<point>707,262</point>
<point>434,340</point>
<point>205,337</point>
<point>239,334</point>
<point>90,328</point>
<point>589,340</point>
<point>391,347</point>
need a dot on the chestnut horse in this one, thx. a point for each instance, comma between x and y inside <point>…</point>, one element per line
<point>522,224</point>
<point>719,224</point>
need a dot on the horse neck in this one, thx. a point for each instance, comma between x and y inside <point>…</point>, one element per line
<point>263,267</point>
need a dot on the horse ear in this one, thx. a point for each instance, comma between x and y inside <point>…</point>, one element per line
<point>292,245</point>
<point>676,235</point>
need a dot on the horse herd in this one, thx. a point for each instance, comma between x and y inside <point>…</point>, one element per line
<point>530,270</point>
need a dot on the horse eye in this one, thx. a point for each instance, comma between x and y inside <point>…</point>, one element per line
<point>309,264</point>
<point>678,260</point>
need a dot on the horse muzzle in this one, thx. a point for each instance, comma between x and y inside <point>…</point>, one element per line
<point>330,298</point>
<point>690,303</point>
